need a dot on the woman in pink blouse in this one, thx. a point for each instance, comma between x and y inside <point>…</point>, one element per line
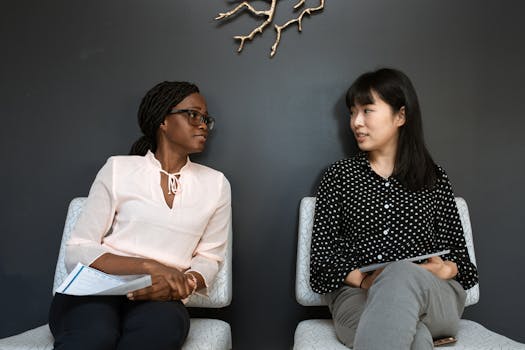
<point>153,212</point>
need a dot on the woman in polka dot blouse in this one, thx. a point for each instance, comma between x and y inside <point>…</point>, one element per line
<point>388,203</point>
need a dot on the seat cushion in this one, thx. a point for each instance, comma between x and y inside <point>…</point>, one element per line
<point>208,334</point>
<point>316,335</point>
<point>34,339</point>
<point>320,334</point>
<point>205,334</point>
<point>472,335</point>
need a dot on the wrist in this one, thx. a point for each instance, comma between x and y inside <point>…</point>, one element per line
<point>353,279</point>
<point>149,266</point>
<point>193,278</point>
<point>363,280</point>
<point>452,269</point>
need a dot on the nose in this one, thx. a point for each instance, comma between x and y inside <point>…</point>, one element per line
<point>357,119</point>
<point>203,126</point>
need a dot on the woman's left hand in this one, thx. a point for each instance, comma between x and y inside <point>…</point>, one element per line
<point>440,268</point>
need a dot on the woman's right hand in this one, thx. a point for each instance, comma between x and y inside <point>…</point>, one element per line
<point>370,279</point>
<point>358,279</point>
<point>168,283</point>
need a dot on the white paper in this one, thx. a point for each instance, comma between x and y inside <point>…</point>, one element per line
<point>84,280</point>
<point>416,258</point>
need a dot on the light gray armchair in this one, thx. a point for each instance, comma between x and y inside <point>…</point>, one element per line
<point>205,334</point>
<point>320,334</point>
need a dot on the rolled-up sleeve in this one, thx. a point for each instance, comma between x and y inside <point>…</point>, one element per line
<point>331,255</point>
<point>95,220</point>
<point>210,250</point>
<point>450,233</point>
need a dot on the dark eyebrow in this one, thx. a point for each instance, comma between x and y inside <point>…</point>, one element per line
<point>194,107</point>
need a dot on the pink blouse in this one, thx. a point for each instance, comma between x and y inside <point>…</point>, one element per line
<point>126,214</point>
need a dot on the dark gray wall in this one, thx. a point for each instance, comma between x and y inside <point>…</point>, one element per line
<point>72,74</point>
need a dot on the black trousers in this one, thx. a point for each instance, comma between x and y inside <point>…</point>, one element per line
<point>114,322</point>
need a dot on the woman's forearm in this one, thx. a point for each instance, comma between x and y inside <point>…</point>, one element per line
<point>123,265</point>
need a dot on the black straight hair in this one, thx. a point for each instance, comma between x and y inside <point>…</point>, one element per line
<point>153,109</point>
<point>414,166</point>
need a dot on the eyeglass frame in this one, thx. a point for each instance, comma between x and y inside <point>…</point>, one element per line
<point>204,118</point>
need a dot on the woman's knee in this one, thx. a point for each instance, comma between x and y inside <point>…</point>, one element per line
<point>401,268</point>
<point>165,324</point>
<point>403,273</point>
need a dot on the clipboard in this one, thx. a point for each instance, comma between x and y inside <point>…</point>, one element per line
<point>373,267</point>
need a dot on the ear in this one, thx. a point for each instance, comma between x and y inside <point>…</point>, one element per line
<point>400,117</point>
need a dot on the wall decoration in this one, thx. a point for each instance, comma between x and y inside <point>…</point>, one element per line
<point>269,15</point>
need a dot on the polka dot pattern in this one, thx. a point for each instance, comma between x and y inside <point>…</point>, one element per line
<point>362,218</point>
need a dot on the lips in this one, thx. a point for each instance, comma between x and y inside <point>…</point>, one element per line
<point>202,136</point>
<point>360,136</point>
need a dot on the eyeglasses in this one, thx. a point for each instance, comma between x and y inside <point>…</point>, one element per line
<point>195,118</point>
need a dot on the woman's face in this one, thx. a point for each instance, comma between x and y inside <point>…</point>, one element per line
<point>177,130</point>
<point>376,126</point>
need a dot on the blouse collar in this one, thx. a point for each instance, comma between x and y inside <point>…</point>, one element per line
<point>362,158</point>
<point>174,179</point>
<point>150,157</point>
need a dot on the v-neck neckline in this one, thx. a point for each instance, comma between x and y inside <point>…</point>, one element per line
<point>158,181</point>
<point>163,196</point>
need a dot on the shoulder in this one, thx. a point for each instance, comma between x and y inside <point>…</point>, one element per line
<point>207,174</point>
<point>443,184</point>
<point>441,174</point>
<point>127,159</point>
<point>121,165</point>
<point>126,162</point>
<point>440,171</point>
<point>204,170</point>
<point>212,182</point>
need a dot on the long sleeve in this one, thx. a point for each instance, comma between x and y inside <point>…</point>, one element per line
<point>450,233</point>
<point>331,256</point>
<point>212,246</point>
<point>85,243</point>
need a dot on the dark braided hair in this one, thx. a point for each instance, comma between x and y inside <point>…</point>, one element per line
<point>153,109</point>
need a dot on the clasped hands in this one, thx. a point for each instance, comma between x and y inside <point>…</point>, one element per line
<point>167,283</point>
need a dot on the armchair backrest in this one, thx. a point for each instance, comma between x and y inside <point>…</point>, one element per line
<point>307,297</point>
<point>220,293</point>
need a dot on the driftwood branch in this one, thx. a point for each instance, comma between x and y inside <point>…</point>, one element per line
<point>298,20</point>
<point>299,4</point>
<point>269,18</point>
<point>269,14</point>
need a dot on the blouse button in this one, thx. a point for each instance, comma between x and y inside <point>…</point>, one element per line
<point>380,257</point>
<point>387,184</point>
<point>387,206</point>
<point>386,231</point>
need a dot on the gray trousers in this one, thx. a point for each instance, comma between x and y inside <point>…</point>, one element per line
<point>405,308</point>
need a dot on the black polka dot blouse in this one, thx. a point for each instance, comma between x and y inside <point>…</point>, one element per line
<point>362,219</point>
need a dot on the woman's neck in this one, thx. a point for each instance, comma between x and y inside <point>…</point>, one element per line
<point>171,162</point>
<point>382,162</point>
